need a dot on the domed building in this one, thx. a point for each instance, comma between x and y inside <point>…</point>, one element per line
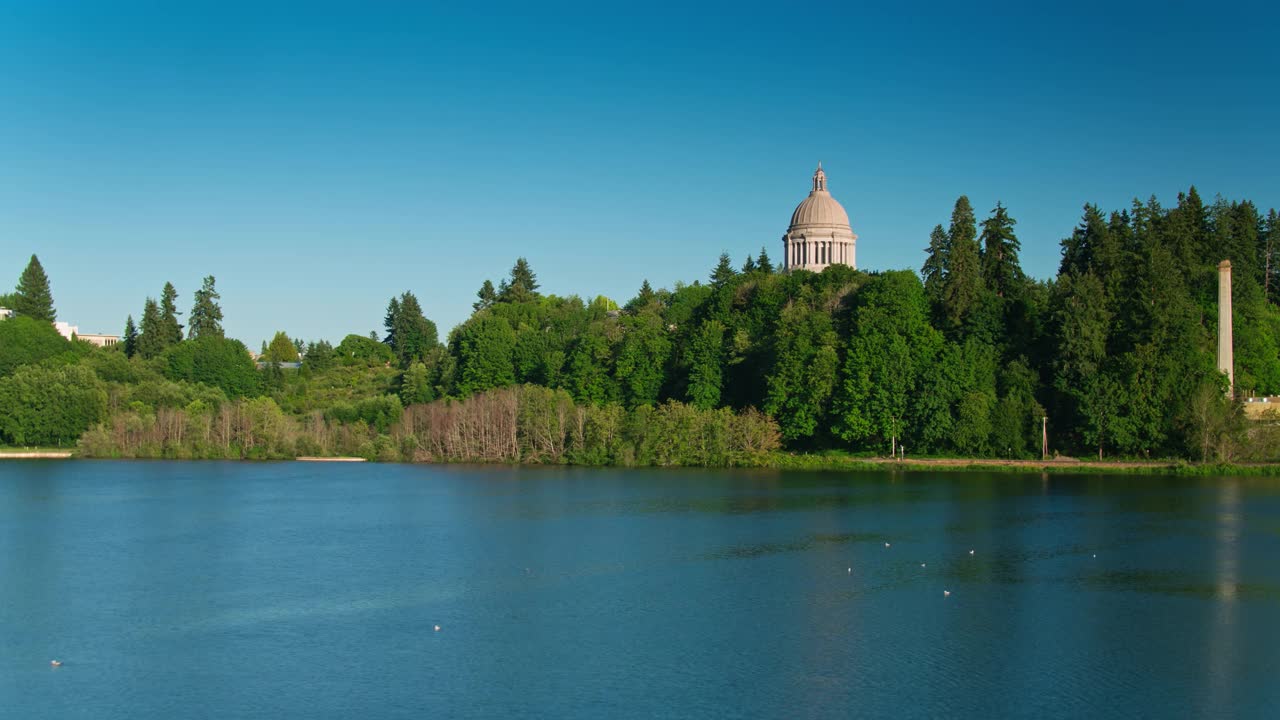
<point>819,234</point>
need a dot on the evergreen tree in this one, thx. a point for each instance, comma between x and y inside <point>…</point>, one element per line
<point>151,341</point>
<point>934,271</point>
<point>749,266</point>
<point>320,355</point>
<point>409,333</point>
<point>391,321</point>
<point>522,286</point>
<point>723,272</point>
<point>1270,247</point>
<point>963,285</point>
<point>643,299</point>
<point>486,297</point>
<point>1000,246</point>
<point>171,328</point>
<point>206,315</point>
<point>130,338</point>
<point>763,263</point>
<point>32,297</point>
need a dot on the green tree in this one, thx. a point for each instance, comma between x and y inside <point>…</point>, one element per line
<point>706,370</point>
<point>357,350</point>
<point>25,340</point>
<point>206,315</point>
<point>485,297</point>
<point>723,271</point>
<point>32,297</point>
<point>151,342</point>
<point>590,377</point>
<point>800,382</point>
<point>891,345</point>
<point>214,361</point>
<point>42,405</point>
<point>763,263</point>
<point>483,347</point>
<point>749,266</point>
<point>320,355</point>
<point>642,359</point>
<point>280,350</point>
<point>934,271</point>
<point>409,333</point>
<point>1000,246</point>
<point>130,338</point>
<point>390,321</point>
<point>522,285</point>
<point>962,287</point>
<point>171,329</point>
<point>417,386</point>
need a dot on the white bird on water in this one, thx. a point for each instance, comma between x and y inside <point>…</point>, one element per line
<point>437,628</point>
<point>850,571</point>
<point>886,544</point>
<point>56,663</point>
<point>970,552</point>
<point>946,593</point>
<point>921,564</point>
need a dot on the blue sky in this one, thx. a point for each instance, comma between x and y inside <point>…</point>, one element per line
<point>319,158</point>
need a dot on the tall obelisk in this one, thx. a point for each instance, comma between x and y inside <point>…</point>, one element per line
<point>1226,359</point>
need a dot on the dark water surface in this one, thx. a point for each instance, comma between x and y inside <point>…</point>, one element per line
<point>293,590</point>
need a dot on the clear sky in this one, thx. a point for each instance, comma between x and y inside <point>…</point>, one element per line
<point>319,158</point>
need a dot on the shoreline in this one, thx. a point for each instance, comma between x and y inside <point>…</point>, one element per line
<point>36,455</point>
<point>804,462</point>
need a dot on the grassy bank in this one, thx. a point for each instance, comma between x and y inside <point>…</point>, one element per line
<point>849,462</point>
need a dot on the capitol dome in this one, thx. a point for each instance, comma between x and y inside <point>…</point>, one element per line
<point>819,234</point>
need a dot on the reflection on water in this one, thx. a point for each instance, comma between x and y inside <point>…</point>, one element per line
<point>294,590</point>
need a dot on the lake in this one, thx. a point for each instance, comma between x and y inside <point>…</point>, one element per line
<point>299,590</point>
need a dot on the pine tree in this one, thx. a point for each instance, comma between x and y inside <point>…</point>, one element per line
<point>32,297</point>
<point>390,321</point>
<point>151,340</point>
<point>130,338</point>
<point>963,286</point>
<point>487,296</point>
<point>1270,255</point>
<point>206,315</point>
<point>522,286</point>
<point>763,263</point>
<point>414,335</point>
<point>749,266</point>
<point>724,271</point>
<point>934,271</point>
<point>172,329</point>
<point>1000,246</point>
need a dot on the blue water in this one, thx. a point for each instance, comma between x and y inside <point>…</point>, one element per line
<point>293,590</point>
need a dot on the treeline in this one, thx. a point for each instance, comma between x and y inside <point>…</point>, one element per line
<point>970,357</point>
<point>522,424</point>
<point>1114,356</point>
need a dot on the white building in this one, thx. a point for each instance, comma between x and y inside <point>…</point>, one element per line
<point>99,339</point>
<point>819,234</point>
<point>65,329</point>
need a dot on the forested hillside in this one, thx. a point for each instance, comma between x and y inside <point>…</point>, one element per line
<point>1116,356</point>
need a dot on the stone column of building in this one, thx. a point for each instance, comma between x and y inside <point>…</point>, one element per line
<point>1226,359</point>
